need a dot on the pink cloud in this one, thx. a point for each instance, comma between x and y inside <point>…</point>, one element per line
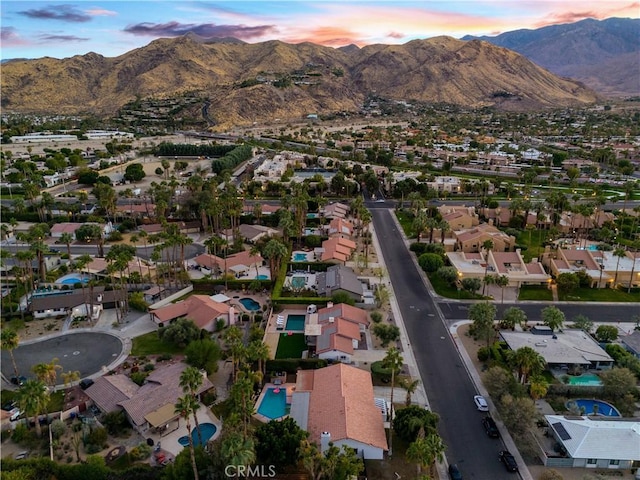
<point>10,38</point>
<point>101,12</point>
<point>395,35</point>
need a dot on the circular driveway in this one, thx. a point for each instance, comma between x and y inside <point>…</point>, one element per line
<point>86,352</point>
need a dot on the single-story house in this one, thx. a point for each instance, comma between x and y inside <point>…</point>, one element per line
<point>336,404</point>
<point>339,278</point>
<point>204,312</point>
<point>631,343</point>
<point>561,349</point>
<point>151,405</point>
<point>75,302</point>
<point>339,226</point>
<point>250,233</point>
<point>471,240</point>
<point>239,264</point>
<point>596,442</point>
<point>336,249</point>
<point>336,210</point>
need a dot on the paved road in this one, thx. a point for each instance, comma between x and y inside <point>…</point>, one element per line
<point>610,313</point>
<point>446,380</point>
<point>86,352</point>
<point>190,251</point>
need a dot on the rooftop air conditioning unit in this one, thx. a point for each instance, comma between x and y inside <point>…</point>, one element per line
<point>332,319</point>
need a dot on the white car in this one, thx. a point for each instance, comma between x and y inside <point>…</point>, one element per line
<point>14,414</point>
<point>481,403</point>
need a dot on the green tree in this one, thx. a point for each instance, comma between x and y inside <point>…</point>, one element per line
<point>619,253</point>
<point>470,285</point>
<point>513,316</point>
<point>275,251</point>
<point>583,323</point>
<point>430,262</point>
<point>10,340</point>
<point>393,360</point>
<point>618,382</point>
<point>425,450</point>
<point>190,381</point>
<point>553,317</point>
<point>203,354</point>
<point>181,332</point>
<point>33,397</point>
<point>567,282</point>
<point>606,333</point>
<point>185,407</point>
<point>527,361</point>
<point>278,443</point>
<point>237,450</point>
<point>134,172</point>
<point>518,414</point>
<point>502,281</point>
<point>483,316</point>
<point>410,385</point>
<point>498,381</point>
<point>67,239</point>
<point>387,333</point>
<point>410,420</point>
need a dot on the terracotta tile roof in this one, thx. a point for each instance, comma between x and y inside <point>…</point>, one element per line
<point>342,403</point>
<point>242,258</point>
<point>65,227</point>
<point>343,310</point>
<point>199,308</point>
<point>535,268</point>
<point>152,228</point>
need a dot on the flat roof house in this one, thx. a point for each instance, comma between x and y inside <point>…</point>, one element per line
<point>336,404</point>
<point>569,347</point>
<point>596,442</point>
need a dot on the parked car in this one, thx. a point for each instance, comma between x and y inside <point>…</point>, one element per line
<point>454,472</point>
<point>18,380</point>
<point>508,461</point>
<point>9,406</point>
<point>86,383</point>
<point>481,403</point>
<point>490,427</point>
<point>15,414</point>
<point>21,455</point>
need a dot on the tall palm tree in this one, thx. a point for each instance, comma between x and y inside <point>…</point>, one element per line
<point>392,361</point>
<point>502,281</point>
<point>419,224</point>
<point>66,238</point>
<point>33,397</point>
<point>275,251</point>
<point>185,407</point>
<point>47,372</point>
<point>10,341</point>
<point>258,351</point>
<point>487,245</point>
<point>620,253</point>
<point>424,451</point>
<point>191,380</point>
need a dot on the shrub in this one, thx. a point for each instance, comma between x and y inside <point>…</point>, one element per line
<point>165,357</point>
<point>58,428</point>
<point>138,378</point>
<point>98,437</point>
<point>430,262</point>
<point>148,367</point>
<point>484,354</point>
<point>115,236</point>
<point>140,452</point>
<point>136,301</point>
<point>376,317</point>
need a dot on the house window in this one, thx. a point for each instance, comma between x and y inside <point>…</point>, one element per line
<point>614,462</point>
<point>592,461</point>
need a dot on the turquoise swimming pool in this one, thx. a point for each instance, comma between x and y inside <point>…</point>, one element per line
<point>587,379</point>
<point>298,282</point>
<point>295,322</point>
<point>300,257</point>
<point>262,277</point>
<point>274,403</point>
<point>207,430</point>
<point>250,304</point>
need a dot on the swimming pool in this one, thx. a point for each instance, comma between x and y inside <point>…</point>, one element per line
<point>250,304</point>
<point>274,403</point>
<point>72,279</point>
<point>295,322</point>
<point>587,379</point>
<point>207,430</point>
<point>262,277</point>
<point>298,282</point>
<point>300,256</point>
<point>594,407</point>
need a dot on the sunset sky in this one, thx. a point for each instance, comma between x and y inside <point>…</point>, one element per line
<point>111,28</point>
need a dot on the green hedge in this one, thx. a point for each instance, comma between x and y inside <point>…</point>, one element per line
<point>291,365</point>
<point>313,266</point>
<point>381,372</point>
<point>300,300</point>
<point>208,285</point>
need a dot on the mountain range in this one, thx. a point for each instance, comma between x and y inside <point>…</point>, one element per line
<point>258,82</point>
<point>602,54</point>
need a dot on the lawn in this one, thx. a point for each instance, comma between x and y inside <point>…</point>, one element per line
<point>291,345</point>
<point>598,295</point>
<point>535,292</point>
<point>405,219</point>
<point>151,344</point>
<point>445,289</point>
<point>533,240</point>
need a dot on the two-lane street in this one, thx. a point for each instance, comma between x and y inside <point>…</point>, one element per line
<point>447,383</point>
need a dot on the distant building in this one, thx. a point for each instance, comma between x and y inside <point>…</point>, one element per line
<point>339,278</point>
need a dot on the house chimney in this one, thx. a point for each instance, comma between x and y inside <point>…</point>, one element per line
<point>332,319</point>
<point>325,439</point>
<point>329,304</point>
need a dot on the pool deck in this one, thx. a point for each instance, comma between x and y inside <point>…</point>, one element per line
<point>290,387</point>
<point>170,443</point>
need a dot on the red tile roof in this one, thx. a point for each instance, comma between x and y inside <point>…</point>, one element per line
<point>199,308</point>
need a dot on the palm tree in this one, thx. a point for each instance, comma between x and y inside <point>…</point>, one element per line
<point>232,337</point>
<point>47,372</point>
<point>185,407</point>
<point>238,450</point>
<point>419,224</point>
<point>70,377</point>
<point>33,397</point>
<point>392,361</point>
<point>424,451</point>
<point>275,251</point>
<point>410,386</point>
<point>487,245</point>
<point>190,381</point>
<point>66,238</point>
<point>258,351</point>
<point>10,342</point>
<point>502,281</point>
<point>618,252</point>
<point>255,252</point>
<point>527,361</point>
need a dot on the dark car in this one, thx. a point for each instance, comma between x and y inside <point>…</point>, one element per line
<point>454,472</point>
<point>490,427</point>
<point>508,461</point>
<point>18,380</point>
<point>86,383</point>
